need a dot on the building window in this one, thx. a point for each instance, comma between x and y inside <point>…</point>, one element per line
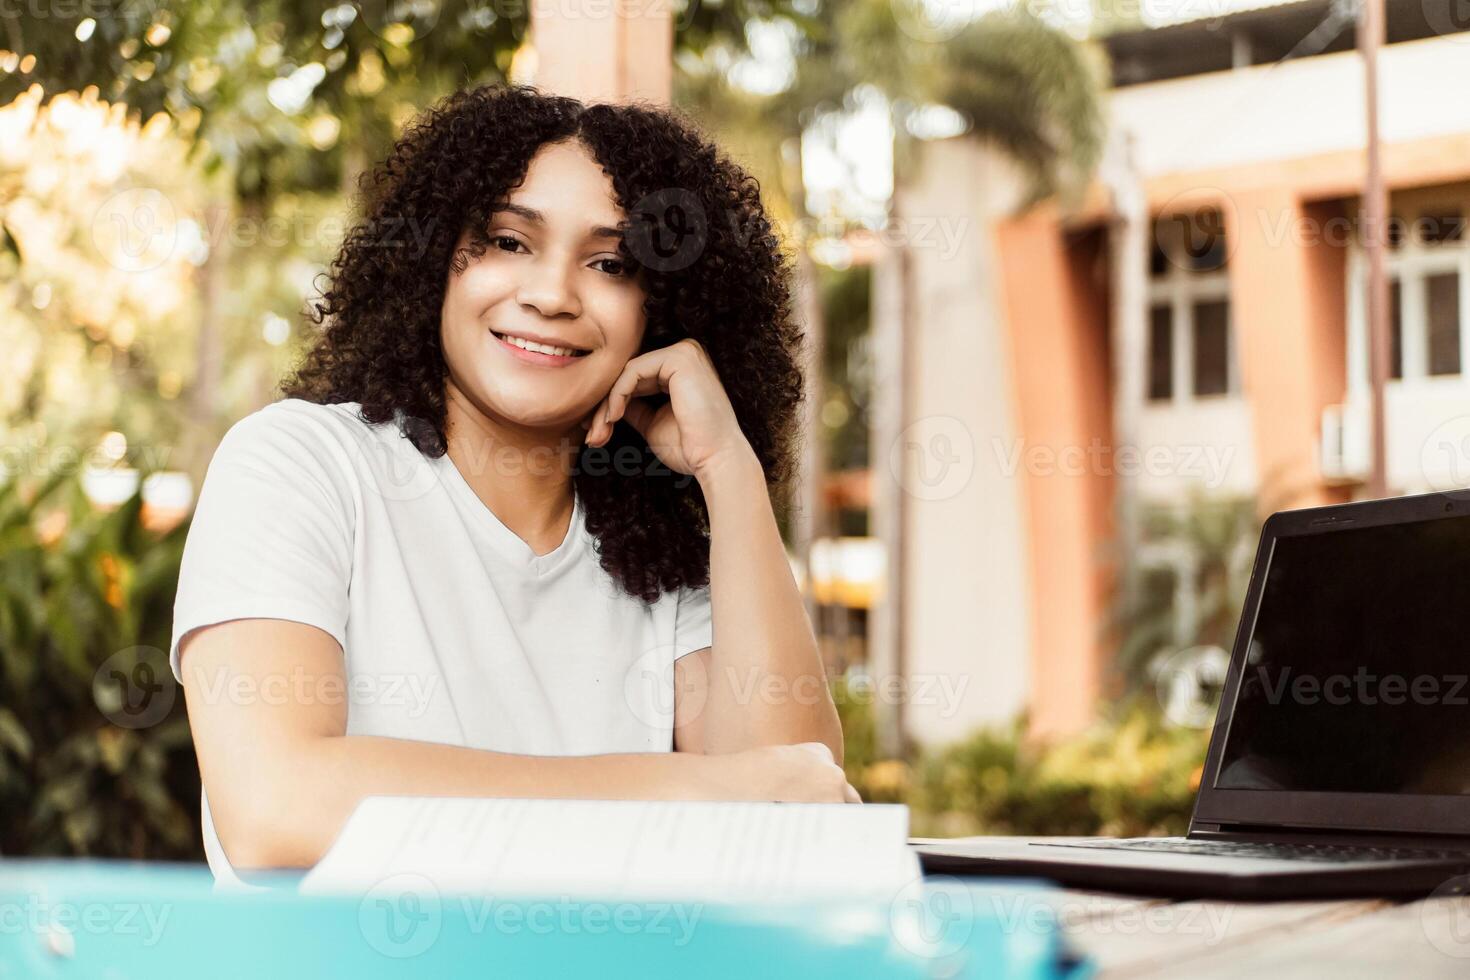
<point>1211,348</point>
<point>1191,350</point>
<point>1427,329</point>
<point>1442,315</point>
<point>1160,353</point>
<point>1395,329</point>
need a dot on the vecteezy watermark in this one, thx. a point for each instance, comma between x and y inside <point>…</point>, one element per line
<point>1448,18</point>
<point>1191,232</point>
<point>403,916</point>
<point>1444,459</point>
<point>400,474</point>
<point>1041,912</point>
<point>59,922</point>
<point>395,21</point>
<point>46,460</point>
<point>1207,464</point>
<point>669,230</point>
<point>411,692</point>
<point>1445,917</point>
<point>933,458</point>
<point>933,917</point>
<point>1360,687</point>
<point>653,688</point>
<point>1189,684</point>
<point>135,687</point>
<point>935,21</point>
<point>139,11</point>
<point>136,229</point>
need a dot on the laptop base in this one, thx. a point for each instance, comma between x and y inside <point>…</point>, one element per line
<point>1166,875</point>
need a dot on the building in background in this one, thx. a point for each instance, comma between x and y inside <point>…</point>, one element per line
<point>1196,328</point>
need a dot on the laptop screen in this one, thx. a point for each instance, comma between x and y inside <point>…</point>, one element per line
<point>1357,675</point>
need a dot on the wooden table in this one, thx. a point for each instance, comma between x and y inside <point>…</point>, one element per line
<point>1132,936</point>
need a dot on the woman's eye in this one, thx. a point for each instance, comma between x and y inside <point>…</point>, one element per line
<point>620,267</point>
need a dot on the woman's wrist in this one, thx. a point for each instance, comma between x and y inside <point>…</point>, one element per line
<point>738,468</point>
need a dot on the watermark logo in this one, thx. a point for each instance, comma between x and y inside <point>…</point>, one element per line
<point>400,472</point>
<point>1448,18</point>
<point>934,458</point>
<point>58,923</point>
<point>651,687</point>
<point>1192,235</point>
<point>135,687</point>
<point>136,230</point>
<point>1445,917</point>
<point>933,917</point>
<point>668,230</point>
<point>1205,464</point>
<point>399,22</point>
<point>935,21</point>
<point>1444,459</point>
<point>401,916</point>
<point>1189,684</point>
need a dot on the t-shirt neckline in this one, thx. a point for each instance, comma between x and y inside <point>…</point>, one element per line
<point>510,544</point>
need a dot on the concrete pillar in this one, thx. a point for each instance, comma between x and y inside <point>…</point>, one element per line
<point>965,611</point>
<point>1287,296</point>
<point>1058,342</point>
<point>604,50</point>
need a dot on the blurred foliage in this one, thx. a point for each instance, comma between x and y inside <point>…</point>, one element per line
<point>1131,774</point>
<point>1018,82</point>
<point>848,365</point>
<point>291,96</point>
<point>1194,565</point>
<point>80,589</point>
<point>106,283</point>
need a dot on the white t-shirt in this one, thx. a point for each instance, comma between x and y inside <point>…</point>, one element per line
<point>453,629</point>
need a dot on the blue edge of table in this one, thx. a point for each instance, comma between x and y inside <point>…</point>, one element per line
<point>124,920</point>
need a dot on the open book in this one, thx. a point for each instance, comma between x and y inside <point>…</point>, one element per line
<point>625,849</point>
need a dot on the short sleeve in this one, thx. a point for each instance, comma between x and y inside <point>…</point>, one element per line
<point>272,531</point>
<point>692,624</point>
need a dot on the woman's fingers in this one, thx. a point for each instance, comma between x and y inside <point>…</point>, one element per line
<point>851,794</point>
<point>647,374</point>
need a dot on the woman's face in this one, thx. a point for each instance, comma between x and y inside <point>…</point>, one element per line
<point>551,275</point>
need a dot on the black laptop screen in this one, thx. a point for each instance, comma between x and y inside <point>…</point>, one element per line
<point>1357,676</point>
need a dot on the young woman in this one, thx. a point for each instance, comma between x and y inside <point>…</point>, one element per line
<point>510,532</point>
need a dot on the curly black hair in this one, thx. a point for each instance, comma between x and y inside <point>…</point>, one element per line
<point>379,314</point>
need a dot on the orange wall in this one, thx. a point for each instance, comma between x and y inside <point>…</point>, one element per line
<point>1287,308</point>
<point>1055,313</point>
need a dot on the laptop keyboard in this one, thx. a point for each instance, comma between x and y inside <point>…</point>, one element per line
<point>1252,849</point>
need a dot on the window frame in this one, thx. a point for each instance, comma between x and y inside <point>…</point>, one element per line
<point>1180,289</point>
<point>1411,263</point>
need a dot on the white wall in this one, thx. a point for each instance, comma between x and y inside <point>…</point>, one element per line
<point>967,629</point>
<point>1296,108</point>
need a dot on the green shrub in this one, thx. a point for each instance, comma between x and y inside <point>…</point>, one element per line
<point>85,592</point>
<point>1132,775</point>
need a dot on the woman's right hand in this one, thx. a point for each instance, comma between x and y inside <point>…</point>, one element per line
<point>800,773</point>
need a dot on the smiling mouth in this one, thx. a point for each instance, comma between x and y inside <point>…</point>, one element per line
<point>537,348</point>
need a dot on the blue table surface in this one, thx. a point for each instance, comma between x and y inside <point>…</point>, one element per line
<point>122,920</point>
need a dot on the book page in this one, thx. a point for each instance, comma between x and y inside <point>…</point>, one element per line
<point>629,849</point>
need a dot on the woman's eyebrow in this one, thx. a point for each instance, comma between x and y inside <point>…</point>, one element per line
<point>536,217</point>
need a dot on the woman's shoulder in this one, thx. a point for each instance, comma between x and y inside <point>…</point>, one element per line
<point>303,419</point>
<point>296,433</point>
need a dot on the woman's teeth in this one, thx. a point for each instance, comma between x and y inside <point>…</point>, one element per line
<point>531,345</point>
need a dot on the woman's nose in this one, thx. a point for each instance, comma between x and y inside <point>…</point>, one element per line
<point>550,288</point>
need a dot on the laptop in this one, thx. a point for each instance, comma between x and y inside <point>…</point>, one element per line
<point>1339,763</point>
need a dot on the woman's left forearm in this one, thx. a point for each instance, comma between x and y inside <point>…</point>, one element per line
<point>767,684</point>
